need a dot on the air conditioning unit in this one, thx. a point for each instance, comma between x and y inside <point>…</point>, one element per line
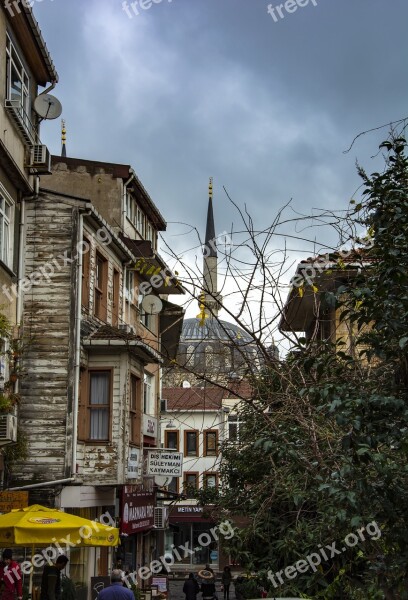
<point>163,405</point>
<point>8,429</point>
<point>41,159</point>
<point>161,517</point>
<point>126,328</point>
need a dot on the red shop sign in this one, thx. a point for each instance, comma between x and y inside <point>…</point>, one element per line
<point>137,510</point>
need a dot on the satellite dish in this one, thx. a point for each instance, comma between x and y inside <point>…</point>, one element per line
<point>186,384</point>
<point>162,480</point>
<point>47,106</point>
<point>152,304</point>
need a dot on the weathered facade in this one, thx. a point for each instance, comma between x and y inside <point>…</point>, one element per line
<point>25,66</point>
<point>92,355</point>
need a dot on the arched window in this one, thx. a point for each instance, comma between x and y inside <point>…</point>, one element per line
<point>190,356</point>
<point>209,357</point>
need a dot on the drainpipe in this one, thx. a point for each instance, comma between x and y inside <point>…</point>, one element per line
<point>77,350</point>
<point>20,262</point>
<point>42,484</point>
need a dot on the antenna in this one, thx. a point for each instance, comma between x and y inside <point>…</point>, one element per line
<point>47,106</point>
<point>152,304</point>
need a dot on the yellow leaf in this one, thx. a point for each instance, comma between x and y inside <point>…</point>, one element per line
<point>315,289</point>
<point>301,291</point>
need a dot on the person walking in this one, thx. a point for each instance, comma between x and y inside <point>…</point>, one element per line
<point>51,579</point>
<point>226,579</point>
<point>191,587</point>
<point>116,590</point>
<point>11,578</point>
<point>207,584</point>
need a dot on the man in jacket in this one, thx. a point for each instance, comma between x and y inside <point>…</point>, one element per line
<point>116,590</point>
<point>11,578</point>
<point>51,579</point>
<point>191,587</point>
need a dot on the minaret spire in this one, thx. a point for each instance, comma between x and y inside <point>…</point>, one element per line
<point>212,299</point>
<point>63,138</point>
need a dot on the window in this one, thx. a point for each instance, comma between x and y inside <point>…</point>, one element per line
<point>149,232</point>
<point>140,221</point>
<point>190,356</point>
<point>130,286</point>
<point>101,286</point>
<point>86,261</point>
<point>210,442</point>
<point>130,207</point>
<point>210,480</point>
<point>99,405</point>
<point>148,395</point>
<point>4,363</point>
<point>233,428</point>
<point>145,318</point>
<point>173,485</point>
<point>171,440</point>
<point>5,229</point>
<point>209,357</point>
<point>190,484</point>
<point>17,82</point>
<point>115,298</point>
<point>134,410</point>
<point>191,443</point>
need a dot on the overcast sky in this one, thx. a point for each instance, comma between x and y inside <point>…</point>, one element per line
<point>189,89</point>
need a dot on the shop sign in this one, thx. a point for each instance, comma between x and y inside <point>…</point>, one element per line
<point>134,466</point>
<point>164,463</point>
<point>11,500</point>
<point>137,509</point>
<point>149,426</point>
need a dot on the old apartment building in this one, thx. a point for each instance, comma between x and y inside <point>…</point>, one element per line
<point>26,66</point>
<point>78,256</point>
<point>93,352</point>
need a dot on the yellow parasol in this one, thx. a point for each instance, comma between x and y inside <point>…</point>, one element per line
<point>38,525</point>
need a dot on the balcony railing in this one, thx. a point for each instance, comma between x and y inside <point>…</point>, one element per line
<point>21,120</point>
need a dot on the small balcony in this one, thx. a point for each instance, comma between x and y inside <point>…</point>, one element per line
<point>22,122</point>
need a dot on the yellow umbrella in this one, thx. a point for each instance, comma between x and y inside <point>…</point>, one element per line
<point>38,525</point>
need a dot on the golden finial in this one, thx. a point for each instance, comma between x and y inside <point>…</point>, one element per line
<point>202,315</point>
<point>210,188</point>
<point>63,138</point>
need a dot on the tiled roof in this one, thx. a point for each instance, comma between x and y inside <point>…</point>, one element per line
<point>209,398</point>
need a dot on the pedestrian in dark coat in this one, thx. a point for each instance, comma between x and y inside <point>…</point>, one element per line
<point>207,584</point>
<point>191,587</point>
<point>226,581</point>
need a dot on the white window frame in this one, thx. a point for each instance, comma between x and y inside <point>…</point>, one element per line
<point>233,420</point>
<point>6,227</point>
<point>130,286</point>
<point>11,61</point>
<point>148,395</point>
<point>140,221</point>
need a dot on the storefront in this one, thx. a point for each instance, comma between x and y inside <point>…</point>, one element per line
<point>136,523</point>
<point>190,536</point>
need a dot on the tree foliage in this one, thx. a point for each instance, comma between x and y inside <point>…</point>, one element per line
<point>322,448</point>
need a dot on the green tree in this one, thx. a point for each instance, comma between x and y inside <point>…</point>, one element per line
<point>322,449</point>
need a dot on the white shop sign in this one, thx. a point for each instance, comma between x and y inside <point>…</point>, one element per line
<point>166,463</point>
<point>134,465</point>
